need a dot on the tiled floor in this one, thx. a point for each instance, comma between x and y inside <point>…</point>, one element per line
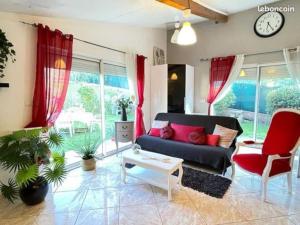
<point>99,197</point>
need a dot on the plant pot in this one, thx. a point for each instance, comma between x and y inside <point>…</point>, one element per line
<point>124,114</point>
<point>88,164</point>
<point>35,192</point>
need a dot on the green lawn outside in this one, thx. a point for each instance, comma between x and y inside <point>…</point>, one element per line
<point>248,130</point>
<point>79,138</point>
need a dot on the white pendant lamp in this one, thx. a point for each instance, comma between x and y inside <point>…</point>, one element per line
<point>175,34</point>
<point>187,35</point>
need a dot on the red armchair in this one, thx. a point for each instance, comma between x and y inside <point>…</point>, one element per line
<point>278,150</point>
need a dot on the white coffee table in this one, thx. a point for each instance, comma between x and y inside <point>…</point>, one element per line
<point>153,168</point>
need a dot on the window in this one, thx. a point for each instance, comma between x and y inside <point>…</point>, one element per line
<point>89,110</point>
<point>255,95</point>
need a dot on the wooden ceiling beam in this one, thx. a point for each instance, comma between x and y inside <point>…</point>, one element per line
<point>196,9</point>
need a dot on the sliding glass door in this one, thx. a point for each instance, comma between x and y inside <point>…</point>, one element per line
<point>255,95</point>
<point>90,110</point>
<point>276,90</point>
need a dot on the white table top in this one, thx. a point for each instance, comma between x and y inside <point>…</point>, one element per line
<point>151,159</point>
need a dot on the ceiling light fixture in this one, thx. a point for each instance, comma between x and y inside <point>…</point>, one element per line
<point>174,37</point>
<point>187,35</point>
<point>174,76</point>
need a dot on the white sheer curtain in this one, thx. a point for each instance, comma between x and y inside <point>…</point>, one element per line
<point>130,59</point>
<point>234,74</point>
<point>292,59</point>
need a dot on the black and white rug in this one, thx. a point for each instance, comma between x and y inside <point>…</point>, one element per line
<point>210,184</point>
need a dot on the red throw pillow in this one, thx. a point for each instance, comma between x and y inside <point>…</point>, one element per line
<point>166,132</point>
<point>197,138</point>
<point>181,132</point>
<point>212,139</point>
<point>154,132</point>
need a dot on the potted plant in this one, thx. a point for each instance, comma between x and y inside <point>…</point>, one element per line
<point>123,103</point>
<point>27,154</point>
<point>6,50</point>
<point>87,150</point>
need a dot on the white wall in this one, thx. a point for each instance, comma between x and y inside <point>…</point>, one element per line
<point>16,101</point>
<point>234,37</point>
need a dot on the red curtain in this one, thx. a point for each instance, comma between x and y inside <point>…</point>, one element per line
<point>140,70</point>
<point>219,72</point>
<point>53,66</point>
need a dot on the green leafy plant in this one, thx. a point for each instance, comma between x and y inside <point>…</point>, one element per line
<point>6,51</point>
<point>88,148</point>
<point>89,99</point>
<point>225,103</point>
<point>27,154</point>
<point>284,97</point>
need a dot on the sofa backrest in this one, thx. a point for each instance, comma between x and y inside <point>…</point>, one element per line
<point>209,122</point>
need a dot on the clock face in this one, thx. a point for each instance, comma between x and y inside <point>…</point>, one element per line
<point>269,24</point>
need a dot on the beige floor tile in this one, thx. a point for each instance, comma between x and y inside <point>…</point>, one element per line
<point>24,220</point>
<point>101,198</point>
<point>136,195</point>
<point>73,183</point>
<point>68,201</point>
<point>269,221</point>
<point>161,195</point>
<point>10,210</point>
<point>252,207</point>
<point>179,213</point>
<point>105,180</point>
<point>216,211</point>
<point>295,218</point>
<point>57,219</point>
<point>139,215</point>
<point>108,216</point>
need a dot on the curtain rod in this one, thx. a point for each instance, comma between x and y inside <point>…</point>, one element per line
<point>87,42</point>
<point>252,54</point>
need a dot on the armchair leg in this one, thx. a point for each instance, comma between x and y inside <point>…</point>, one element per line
<point>264,183</point>
<point>289,181</point>
<point>232,170</point>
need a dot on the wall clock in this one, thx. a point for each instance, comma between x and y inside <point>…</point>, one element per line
<point>269,24</point>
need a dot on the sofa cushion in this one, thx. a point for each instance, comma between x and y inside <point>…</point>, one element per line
<point>166,132</point>
<point>155,132</point>
<point>226,135</point>
<point>197,138</point>
<point>212,139</point>
<point>159,124</point>
<point>181,132</point>
<point>217,158</point>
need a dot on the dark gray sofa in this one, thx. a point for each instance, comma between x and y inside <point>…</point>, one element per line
<point>216,158</point>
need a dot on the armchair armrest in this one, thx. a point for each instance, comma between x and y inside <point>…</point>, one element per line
<point>272,158</point>
<point>256,145</point>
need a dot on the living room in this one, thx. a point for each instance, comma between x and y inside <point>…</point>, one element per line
<point>150,112</point>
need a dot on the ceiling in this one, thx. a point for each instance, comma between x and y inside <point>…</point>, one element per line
<point>146,13</point>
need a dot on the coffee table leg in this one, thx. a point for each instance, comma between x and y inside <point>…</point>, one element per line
<point>169,188</point>
<point>124,171</point>
<point>180,175</point>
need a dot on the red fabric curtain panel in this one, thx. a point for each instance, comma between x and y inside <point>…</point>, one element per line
<point>219,72</point>
<point>53,66</point>
<point>140,70</point>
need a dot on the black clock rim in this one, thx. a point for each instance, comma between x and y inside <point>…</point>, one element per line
<point>272,34</point>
